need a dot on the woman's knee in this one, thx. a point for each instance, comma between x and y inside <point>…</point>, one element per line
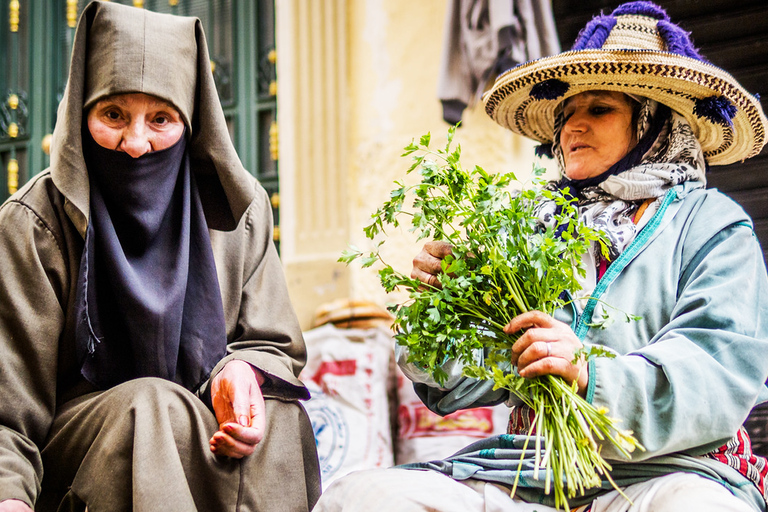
<point>150,392</point>
<point>355,489</point>
<point>688,491</point>
<point>404,490</point>
<point>153,399</point>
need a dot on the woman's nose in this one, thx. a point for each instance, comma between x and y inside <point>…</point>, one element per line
<point>575,123</point>
<point>135,140</point>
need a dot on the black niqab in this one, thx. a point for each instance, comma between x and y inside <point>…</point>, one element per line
<point>148,296</point>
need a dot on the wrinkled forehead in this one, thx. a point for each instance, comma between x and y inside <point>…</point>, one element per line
<point>131,50</point>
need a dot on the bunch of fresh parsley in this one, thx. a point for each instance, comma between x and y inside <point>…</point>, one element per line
<point>504,262</point>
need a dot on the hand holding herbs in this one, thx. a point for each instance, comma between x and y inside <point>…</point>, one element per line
<point>503,263</point>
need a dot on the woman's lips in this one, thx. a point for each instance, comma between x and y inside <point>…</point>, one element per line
<point>576,147</point>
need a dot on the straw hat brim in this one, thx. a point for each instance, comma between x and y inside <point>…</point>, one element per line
<point>674,80</point>
<point>350,313</point>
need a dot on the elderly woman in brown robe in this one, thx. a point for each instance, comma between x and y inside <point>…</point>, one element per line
<point>148,348</point>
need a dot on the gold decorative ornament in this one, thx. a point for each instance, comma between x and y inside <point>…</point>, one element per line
<point>13,16</point>
<point>273,141</point>
<point>138,3</point>
<point>276,234</point>
<point>272,56</point>
<point>45,145</point>
<point>273,88</point>
<point>13,130</point>
<point>71,13</point>
<point>213,66</point>
<point>13,101</point>
<point>274,200</point>
<point>13,175</point>
<point>173,3</point>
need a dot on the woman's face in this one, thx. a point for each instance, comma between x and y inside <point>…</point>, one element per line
<point>598,132</point>
<point>135,123</point>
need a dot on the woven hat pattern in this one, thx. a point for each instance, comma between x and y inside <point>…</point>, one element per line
<point>639,51</point>
<point>634,32</point>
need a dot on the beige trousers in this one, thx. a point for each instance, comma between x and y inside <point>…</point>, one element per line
<point>405,490</point>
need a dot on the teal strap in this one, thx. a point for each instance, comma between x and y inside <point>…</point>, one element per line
<point>591,384</point>
<point>582,327</point>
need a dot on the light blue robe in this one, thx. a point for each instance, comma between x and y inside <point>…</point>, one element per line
<point>687,374</point>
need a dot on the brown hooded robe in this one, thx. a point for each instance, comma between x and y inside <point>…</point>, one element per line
<point>143,445</point>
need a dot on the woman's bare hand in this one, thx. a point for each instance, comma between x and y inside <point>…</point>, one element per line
<point>547,347</point>
<point>427,264</point>
<point>239,408</point>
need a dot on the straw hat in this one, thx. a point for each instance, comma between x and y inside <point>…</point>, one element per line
<point>638,50</point>
<point>350,314</point>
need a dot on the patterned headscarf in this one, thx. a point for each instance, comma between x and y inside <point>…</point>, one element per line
<point>667,154</point>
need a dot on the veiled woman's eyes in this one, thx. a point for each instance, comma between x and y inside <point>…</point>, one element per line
<point>112,115</point>
<point>165,119</point>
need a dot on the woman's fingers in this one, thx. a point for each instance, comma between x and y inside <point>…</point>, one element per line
<point>546,347</point>
<point>427,265</point>
<point>528,320</point>
<point>438,249</point>
<point>234,440</point>
<point>428,278</point>
<point>239,408</point>
<point>538,328</point>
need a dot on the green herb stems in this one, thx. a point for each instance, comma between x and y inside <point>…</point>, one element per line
<point>504,262</point>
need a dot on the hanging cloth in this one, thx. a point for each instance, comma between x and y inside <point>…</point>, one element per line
<point>484,38</point>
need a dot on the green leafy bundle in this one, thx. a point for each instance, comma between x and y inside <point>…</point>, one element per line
<point>503,263</point>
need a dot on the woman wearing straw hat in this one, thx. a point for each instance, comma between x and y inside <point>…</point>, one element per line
<point>148,349</point>
<point>633,115</point>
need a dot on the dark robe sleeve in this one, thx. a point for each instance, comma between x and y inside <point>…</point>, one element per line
<point>32,284</point>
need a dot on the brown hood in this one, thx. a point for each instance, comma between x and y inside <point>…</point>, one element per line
<point>122,49</point>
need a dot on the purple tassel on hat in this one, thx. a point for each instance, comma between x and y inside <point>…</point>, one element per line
<point>675,38</point>
<point>549,89</point>
<point>678,40</point>
<point>649,9</point>
<point>717,109</point>
<point>593,36</point>
<point>544,150</point>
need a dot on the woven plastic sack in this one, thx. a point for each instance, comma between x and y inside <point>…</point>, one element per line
<point>348,373</point>
<point>424,436</point>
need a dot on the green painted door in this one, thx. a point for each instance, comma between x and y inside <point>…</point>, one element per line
<point>35,42</point>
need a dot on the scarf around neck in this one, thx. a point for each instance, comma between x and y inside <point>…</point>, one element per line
<point>148,299</point>
<point>667,154</point>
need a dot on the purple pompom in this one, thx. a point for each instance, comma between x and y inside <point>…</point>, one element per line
<point>595,33</point>
<point>678,40</point>
<point>544,150</point>
<point>717,109</point>
<point>549,89</point>
<point>649,9</point>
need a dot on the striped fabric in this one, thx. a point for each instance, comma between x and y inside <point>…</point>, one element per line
<point>736,453</point>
